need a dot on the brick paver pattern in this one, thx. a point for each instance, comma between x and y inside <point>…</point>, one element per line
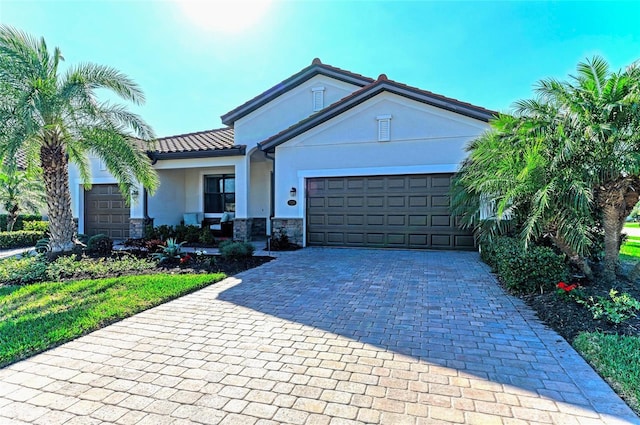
<point>321,336</point>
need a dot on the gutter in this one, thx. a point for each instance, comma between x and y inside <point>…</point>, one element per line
<point>217,153</point>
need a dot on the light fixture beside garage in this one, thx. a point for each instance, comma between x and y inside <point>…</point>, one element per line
<point>384,127</point>
<point>293,192</point>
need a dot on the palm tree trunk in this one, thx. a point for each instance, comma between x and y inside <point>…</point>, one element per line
<point>616,199</point>
<point>575,258</point>
<point>55,170</point>
<point>12,217</point>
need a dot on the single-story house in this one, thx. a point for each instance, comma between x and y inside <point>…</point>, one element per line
<point>329,156</point>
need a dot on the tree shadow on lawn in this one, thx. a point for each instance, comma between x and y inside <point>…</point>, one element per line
<point>440,308</point>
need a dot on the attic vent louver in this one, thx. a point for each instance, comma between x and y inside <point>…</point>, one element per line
<point>318,98</point>
<point>384,128</point>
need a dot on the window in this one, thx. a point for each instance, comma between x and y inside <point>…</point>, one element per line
<point>220,193</point>
<point>384,128</point>
<point>318,98</point>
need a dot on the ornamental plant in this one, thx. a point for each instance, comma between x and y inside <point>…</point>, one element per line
<point>568,291</point>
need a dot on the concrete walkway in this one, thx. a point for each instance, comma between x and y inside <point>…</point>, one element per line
<point>321,336</point>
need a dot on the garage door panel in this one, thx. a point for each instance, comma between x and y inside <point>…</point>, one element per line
<point>355,220</point>
<point>418,220</point>
<point>335,238</point>
<point>335,184</point>
<point>355,238</point>
<point>396,201</point>
<point>396,220</point>
<point>375,201</point>
<point>418,201</point>
<point>106,212</point>
<point>440,201</point>
<point>441,241</point>
<point>335,220</point>
<point>377,239</point>
<point>355,201</point>
<point>441,182</point>
<point>375,220</point>
<point>464,241</point>
<point>407,211</point>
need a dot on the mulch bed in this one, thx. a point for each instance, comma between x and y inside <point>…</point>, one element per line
<point>569,318</point>
<point>228,267</point>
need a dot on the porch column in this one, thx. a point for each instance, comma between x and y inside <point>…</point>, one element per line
<point>242,222</point>
<point>136,212</point>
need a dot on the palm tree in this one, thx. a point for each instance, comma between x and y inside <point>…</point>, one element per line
<point>20,191</point>
<point>56,118</point>
<point>577,166</point>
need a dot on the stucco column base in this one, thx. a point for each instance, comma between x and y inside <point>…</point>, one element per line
<point>291,226</point>
<point>242,229</point>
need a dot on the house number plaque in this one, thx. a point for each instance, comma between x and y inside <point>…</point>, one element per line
<point>291,202</point>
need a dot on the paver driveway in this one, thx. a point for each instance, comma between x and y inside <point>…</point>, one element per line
<point>321,336</point>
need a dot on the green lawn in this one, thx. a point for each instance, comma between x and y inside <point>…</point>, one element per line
<point>36,317</point>
<point>616,358</point>
<point>630,251</point>
<point>632,225</point>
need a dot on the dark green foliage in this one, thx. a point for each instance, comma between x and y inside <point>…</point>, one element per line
<point>19,239</point>
<point>42,245</point>
<point>20,222</point>
<point>281,242</point>
<point>37,226</point>
<point>538,268</point>
<point>100,244</point>
<point>188,234</point>
<point>236,250</point>
<point>207,238</point>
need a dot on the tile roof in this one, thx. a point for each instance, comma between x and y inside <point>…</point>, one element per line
<point>316,67</point>
<point>221,138</point>
<point>369,91</point>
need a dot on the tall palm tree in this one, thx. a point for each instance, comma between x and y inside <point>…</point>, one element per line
<point>579,141</point>
<point>56,118</point>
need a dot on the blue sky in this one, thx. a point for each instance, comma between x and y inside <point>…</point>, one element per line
<point>199,61</point>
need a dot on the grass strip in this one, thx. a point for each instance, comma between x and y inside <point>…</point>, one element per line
<point>617,359</point>
<point>630,250</point>
<point>36,317</point>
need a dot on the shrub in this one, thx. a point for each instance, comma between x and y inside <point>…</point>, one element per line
<point>100,244</point>
<point>19,225</point>
<point>19,271</point>
<point>42,245</point>
<point>70,266</point>
<point>162,232</point>
<point>36,226</point>
<point>206,237</point>
<point>281,242</point>
<point>236,250</point>
<point>19,239</point>
<point>537,269</point>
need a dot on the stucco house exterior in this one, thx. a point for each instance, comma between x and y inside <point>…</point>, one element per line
<point>329,156</point>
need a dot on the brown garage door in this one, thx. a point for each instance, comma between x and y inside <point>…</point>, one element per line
<point>409,211</point>
<point>106,212</point>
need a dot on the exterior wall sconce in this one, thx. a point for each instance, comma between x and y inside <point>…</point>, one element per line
<point>135,194</point>
<point>293,192</point>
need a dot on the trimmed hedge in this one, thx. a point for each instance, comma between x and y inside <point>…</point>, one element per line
<point>19,239</point>
<point>19,222</point>
<point>538,269</point>
<point>36,226</point>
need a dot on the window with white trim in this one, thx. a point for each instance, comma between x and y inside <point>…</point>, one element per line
<point>318,98</point>
<point>384,128</point>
